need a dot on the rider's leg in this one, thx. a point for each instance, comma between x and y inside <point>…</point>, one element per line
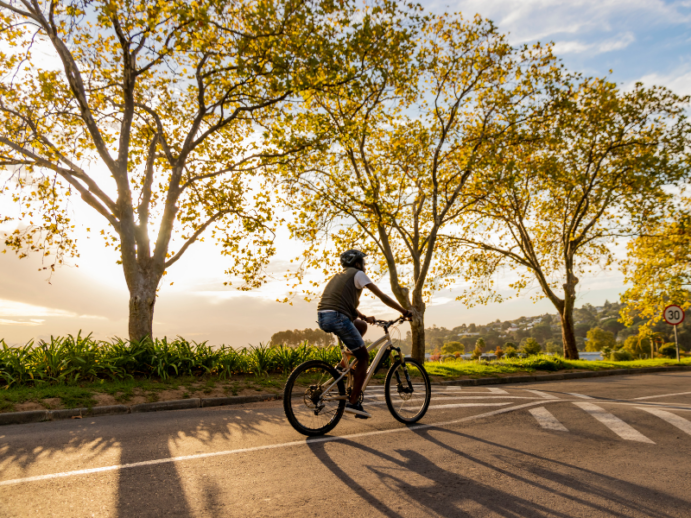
<point>359,372</point>
<point>361,326</point>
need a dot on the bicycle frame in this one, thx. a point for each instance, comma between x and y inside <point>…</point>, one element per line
<point>383,343</point>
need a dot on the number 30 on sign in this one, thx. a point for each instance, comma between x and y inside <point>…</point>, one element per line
<point>673,315</point>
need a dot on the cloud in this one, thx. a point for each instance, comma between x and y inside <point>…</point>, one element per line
<point>529,20</point>
<point>576,47</point>
<point>32,322</point>
<point>11,308</point>
<point>679,80</point>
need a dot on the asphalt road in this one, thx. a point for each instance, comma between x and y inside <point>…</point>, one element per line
<point>615,446</point>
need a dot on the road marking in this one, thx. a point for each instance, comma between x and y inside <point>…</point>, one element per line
<point>497,391</point>
<point>673,419</point>
<point>459,405</point>
<point>460,397</point>
<point>542,394</point>
<point>615,424</point>
<point>663,395</point>
<point>546,419</point>
<point>582,396</point>
<point>155,462</point>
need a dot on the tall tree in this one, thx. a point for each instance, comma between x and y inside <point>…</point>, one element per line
<point>407,147</point>
<point>658,266</point>
<point>149,112</point>
<point>597,166</point>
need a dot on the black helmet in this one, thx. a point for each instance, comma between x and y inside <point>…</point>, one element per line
<point>350,257</point>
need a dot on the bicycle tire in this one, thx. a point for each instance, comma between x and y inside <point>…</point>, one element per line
<point>291,398</point>
<point>421,379</point>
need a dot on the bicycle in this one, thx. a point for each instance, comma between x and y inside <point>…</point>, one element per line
<point>315,394</point>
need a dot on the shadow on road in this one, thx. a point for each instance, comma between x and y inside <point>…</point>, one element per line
<point>411,480</point>
<point>141,491</point>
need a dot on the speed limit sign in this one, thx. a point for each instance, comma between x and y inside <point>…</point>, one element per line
<point>673,315</point>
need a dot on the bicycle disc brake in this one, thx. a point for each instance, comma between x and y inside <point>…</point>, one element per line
<point>312,399</point>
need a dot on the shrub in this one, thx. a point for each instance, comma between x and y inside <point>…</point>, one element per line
<point>452,347</point>
<point>669,350</point>
<point>510,352</point>
<point>622,355</point>
<point>498,352</point>
<point>531,347</point>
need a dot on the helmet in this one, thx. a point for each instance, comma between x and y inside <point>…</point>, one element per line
<point>350,257</point>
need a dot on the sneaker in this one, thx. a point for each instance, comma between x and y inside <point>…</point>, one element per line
<point>357,410</point>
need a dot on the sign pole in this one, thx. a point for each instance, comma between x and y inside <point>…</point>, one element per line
<point>676,342</point>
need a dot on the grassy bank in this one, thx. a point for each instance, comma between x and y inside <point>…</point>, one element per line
<point>476,369</point>
<point>137,388</point>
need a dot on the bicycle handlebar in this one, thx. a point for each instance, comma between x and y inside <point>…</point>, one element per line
<point>386,324</point>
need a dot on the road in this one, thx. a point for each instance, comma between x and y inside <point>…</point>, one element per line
<point>615,446</point>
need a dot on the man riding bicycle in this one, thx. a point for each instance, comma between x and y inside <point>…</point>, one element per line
<point>337,313</point>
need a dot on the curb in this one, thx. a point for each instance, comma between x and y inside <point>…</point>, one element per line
<point>558,377</point>
<point>38,416</point>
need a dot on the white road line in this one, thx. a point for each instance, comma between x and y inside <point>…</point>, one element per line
<point>663,395</point>
<point>582,396</point>
<point>673,419</point>
<point>463,405</point>
<point>461,397</point>
<point>547,420</point>
<point>261,448</point>
<point>615,424</point>
<point>542,394</point>
<point>497,391</point>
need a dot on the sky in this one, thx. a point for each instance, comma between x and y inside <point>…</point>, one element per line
<point>638,40</point>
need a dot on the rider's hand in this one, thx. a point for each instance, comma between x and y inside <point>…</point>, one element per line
<point>408,315</point>
<point>370,320</point>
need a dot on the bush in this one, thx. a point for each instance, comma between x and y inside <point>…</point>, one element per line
<point>669,350</point>
<point>77,359</point>
<point>531,347</point>
<point>498,352</point>
<point>510,352</point>
<point>622,355</point>
<point>453,347</point>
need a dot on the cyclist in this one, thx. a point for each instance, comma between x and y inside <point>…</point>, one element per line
<point>337,313</point>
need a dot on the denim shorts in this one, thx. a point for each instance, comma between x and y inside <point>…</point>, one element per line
<point>340,325</point>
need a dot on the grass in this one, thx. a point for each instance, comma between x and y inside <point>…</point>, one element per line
<point>72,371</point>
<point>480,369</point>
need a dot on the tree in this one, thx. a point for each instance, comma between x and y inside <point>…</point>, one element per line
<point>553,347</point>
<point>638,346</point>
<point>658,266</point>
<point>149,112</point>
<point>599,340</point>
<point>498,352</point>
<point>409,148</point>
<point>599,163</point>
<point>453,347</point>
<point>296,337</point>
<point>531,347</point>
<point>612,325</point>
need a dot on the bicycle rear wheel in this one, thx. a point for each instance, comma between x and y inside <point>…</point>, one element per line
<point>308,409</point>
<point>407,391</point>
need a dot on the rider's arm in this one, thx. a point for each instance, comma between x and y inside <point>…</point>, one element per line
<point>385,298</point>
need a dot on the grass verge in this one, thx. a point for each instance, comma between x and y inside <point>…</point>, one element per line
<point>134,391</point>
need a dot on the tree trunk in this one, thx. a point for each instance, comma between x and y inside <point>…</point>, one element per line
<point>417,327</point>
<point>142,300</point>
<point>568,334</point>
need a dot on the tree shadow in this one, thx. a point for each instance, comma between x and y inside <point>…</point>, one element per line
<point>448,493</point>
<point>121,440</point>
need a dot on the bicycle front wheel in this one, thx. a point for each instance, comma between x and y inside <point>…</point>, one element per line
<point>407,391</point>
<point>309,408</point>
